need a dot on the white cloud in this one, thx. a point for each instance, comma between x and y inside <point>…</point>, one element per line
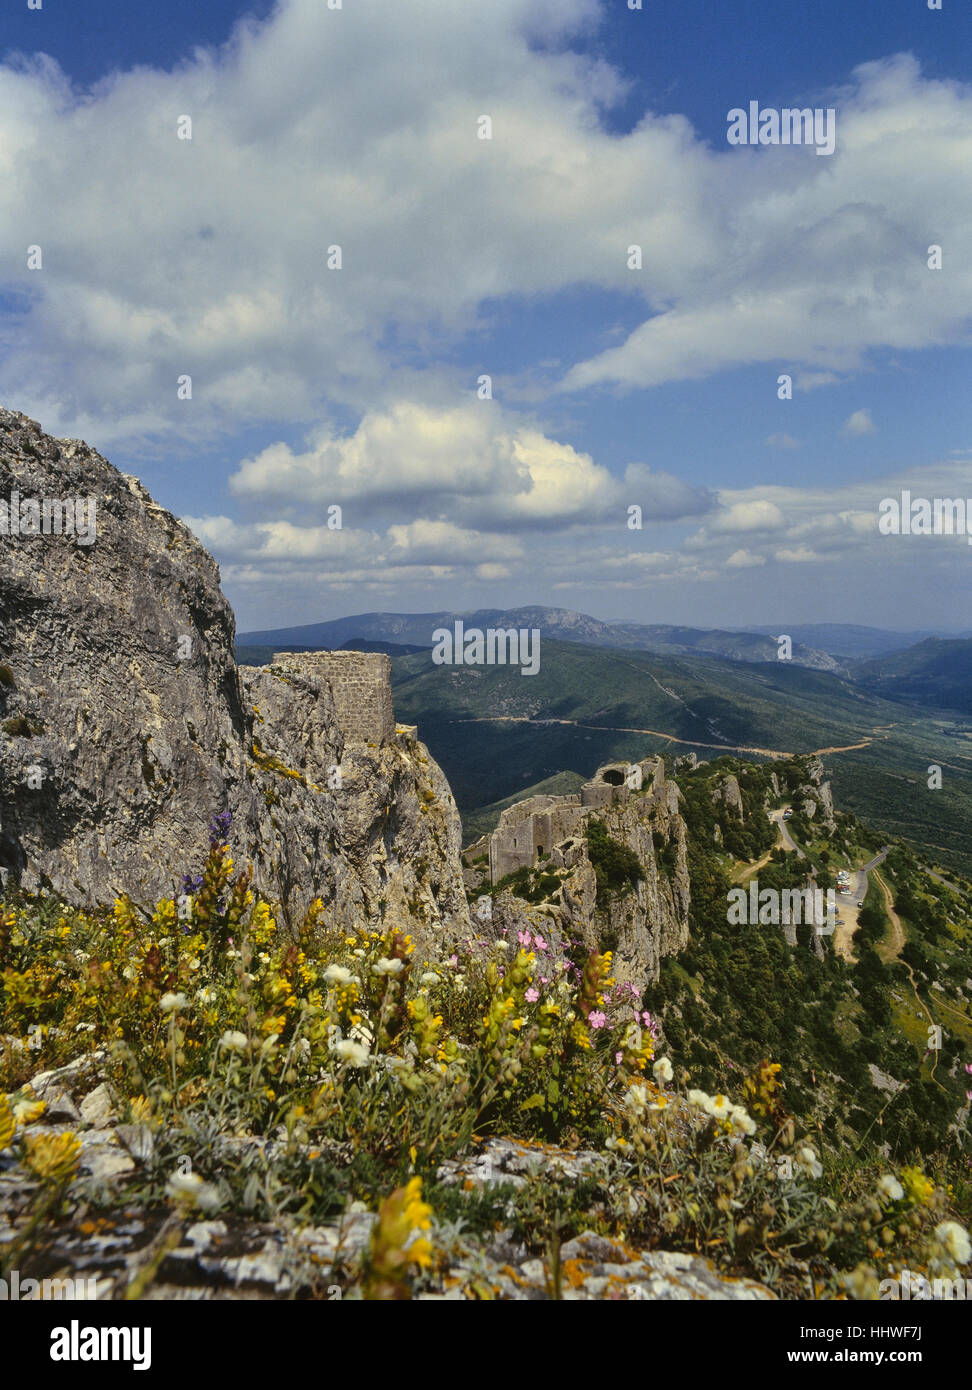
<point>859,423</point>
<point>208,256</point>
<point>472,461</point>
<point>756,515</point>
<point>783,441</point>
<point>744,559</point>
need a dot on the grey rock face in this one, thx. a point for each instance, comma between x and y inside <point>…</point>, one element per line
<point>640,925</point>
<point>125,725</point>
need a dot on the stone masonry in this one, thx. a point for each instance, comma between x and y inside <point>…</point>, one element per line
<point>361,688</point>
<point>541,824</point>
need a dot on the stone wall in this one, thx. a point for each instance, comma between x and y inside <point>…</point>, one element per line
<point>541,823</point>
<point>361,687</point>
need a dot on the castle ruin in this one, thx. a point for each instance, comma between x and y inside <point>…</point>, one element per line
<point>552,827</point>
<point>361,688</point>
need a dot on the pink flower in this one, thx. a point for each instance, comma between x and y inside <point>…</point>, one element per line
<point>453,960</point>
<point>531,995</point>
<point>539,942</point>
<point>597,1019</point>
<point>618,1057</point>
<point>968,1068</point>
<point>544,980</point>
<point>524,938</point>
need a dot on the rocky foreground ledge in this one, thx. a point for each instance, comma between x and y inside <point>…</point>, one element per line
<point>122,1248</point>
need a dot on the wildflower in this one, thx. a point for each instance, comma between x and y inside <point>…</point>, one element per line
<point>532,995</point>
<point>354,1053</point>
<point>618,1058</point>
<point>954,1239</point>
<point>597,1019</point>
<point>26,1111</point>
<point>539,943</point>
<point>662,1070</point>
<point>918,1188</point>
<point>397,1241</point>
<point>806,1158</point>
<point>387,965</point>
<point>888,1186</point>
<point>170,1002</point>
<point>53,1157</point>
<point>338,975</point>
<point>636,1100</point>
<point>206,995</point>
<point>719,1107</point>
<point>233,1040</point>
<point>862,1283</point>
<point>453,960</point>
<point>524,938</point>
<point>428,977</point>
<point>741,1121</point>
<point>190,1189</point>
<point>699,1099</point>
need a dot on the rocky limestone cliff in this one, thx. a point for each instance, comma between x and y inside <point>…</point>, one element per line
<point>125,725</point>
<point>641,922</point>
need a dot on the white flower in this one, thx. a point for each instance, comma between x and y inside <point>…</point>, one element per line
<point>338,975</point>
<point>807,1159</point>
<point>889,1186</point>
<point>636,1100</point>
<point>233,1040</point>
<point>741,1121</point>
<point>663,1070</point>
<point>206,995</point>
<point>170,1002</point>
<point>388,966</point>
<point>354,1053</point>
<point>191,1186</point>
<point>719,1107</point>
<point>699,1098</point>
<point>428,977</point>
<point>362,1035</point>
<point>195,963</point>
<point>359,954</point>
<point>129,972</point>
<point>955,1241</point>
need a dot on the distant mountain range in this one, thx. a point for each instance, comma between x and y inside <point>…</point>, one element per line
<point>558,624</point>
<point>934,672</point>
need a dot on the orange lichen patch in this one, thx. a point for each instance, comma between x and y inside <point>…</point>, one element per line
<point>468,1185</point>
<point>576,1272</point>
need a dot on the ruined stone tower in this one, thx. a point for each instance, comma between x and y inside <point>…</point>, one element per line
<point>361,686</point>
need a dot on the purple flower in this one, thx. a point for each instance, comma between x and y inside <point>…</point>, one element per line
<point>219,828</point>
<point>597,1019</point>
<point>532,995</point>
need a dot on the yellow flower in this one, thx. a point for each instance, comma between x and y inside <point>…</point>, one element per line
<point>917,1187</point>
<point>53,1157</point>
<point>7,1124</point>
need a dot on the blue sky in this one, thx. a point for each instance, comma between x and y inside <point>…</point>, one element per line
<point>611,387</point>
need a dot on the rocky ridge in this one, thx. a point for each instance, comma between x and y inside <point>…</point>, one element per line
<point>125,725</point>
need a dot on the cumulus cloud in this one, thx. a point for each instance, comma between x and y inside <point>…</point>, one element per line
<point>859,423</point>
<point>473,462</point>
<point>209,257</point>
